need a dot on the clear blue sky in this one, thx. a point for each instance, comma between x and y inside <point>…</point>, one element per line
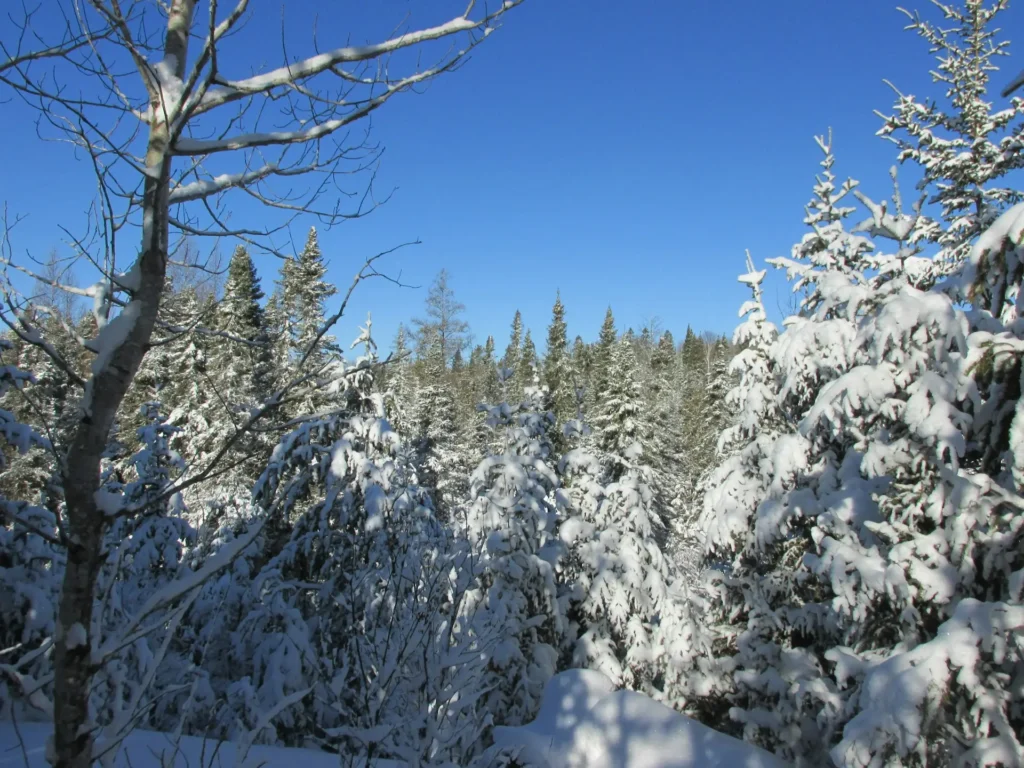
<point>624,153</point>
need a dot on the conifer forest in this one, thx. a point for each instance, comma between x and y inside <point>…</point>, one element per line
<point>239,527</point>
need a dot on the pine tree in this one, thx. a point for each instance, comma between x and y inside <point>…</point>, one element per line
<point>511,522</point>
<point>602,358</point>
<point>668,450</point>
<point>244,369</point>
<point>620,420</point>
<point>442,453</point>
<point>199,408</point>
<point>357,604</point>
<point>487,376</point>
<point>510,359</point>
<point>30,564</point>
<point>306,296</point>
<point>964,147</point>
<point>527,373</point>
<point>620,577</point>
<point>826,511</point>
<point>400,390</point>
<point>557,367</point>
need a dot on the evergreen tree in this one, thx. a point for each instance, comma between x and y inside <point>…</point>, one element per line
<point>620,419</point>
<point>399,383</point>
<point>511,521</point>
<point>30,563</point>
<point>963,146</point>
<point>487,376</point>
<point>357,606</point>
<point>557,366</point>
<point>580,362</point>
<point>527,374</point>
<point>244,369</point>
<point>306,293</point>
<point>280,330</point>
<point>602,359</point>
<point>442,453</point>
<point>512,357</point>
<point>199,408</point>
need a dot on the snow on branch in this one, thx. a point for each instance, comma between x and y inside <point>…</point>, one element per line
<point>192,147</point>
<point>174,591</point>
<point>197,190</point>
<point>290,74</point>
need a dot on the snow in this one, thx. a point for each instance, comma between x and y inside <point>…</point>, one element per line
<point>77,636</point>
<point>584,722</point>
<point>1010,225</point>
<point>197,190</point>
<point>147,749</point>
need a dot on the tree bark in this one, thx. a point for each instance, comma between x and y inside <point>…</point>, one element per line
<point>86,524</point>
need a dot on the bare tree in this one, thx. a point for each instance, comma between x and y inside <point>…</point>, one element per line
<point>154,97</point>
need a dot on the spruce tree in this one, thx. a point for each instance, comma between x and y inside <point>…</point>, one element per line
<point>511,521</point>
<point>964,147</point>
<point>399,385</point>
<point>243,362</point>
<point>602,359</point>
<point>557,366</point>
<point>527,374</point>
<point>620,420</point>
<point>280,330</point>
<point>440,441</point>
<point>305,295</point>
<point>513,354</point>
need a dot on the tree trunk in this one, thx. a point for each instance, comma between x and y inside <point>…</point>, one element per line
<point>73,663</point>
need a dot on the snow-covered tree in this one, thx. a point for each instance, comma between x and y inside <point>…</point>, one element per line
<point>305,293</point>
<point>620,421</point>
<point>513,353</point>
<point>602,358</point>
<point>512,523</point>
<point>964,147</point>
<point>196,145</point>
<point>243,360</point>
<point>623,580</point>
<point>30,562</point>
<point>527,373</point>
<point>440,441</point>
<point>354,629</point>
<point>400,385</point>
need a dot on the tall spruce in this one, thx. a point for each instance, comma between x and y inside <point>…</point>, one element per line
<point>557,365</point>
<point>306,292</point>
<point>243,362</point>
<point>513,354</point>
<point>602,358</point>
<point>527,374</point>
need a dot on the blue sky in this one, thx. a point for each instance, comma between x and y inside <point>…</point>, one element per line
<point>624,153</point>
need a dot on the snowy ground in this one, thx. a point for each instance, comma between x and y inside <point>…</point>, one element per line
<point>583,723</point>
<point>145,749</point>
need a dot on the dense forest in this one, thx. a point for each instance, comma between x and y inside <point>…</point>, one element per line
<point>223,520</point>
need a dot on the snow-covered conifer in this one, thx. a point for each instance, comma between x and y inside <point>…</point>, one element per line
<point>244,368</point>
<point>964,146</point>
<point>512,524</point>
